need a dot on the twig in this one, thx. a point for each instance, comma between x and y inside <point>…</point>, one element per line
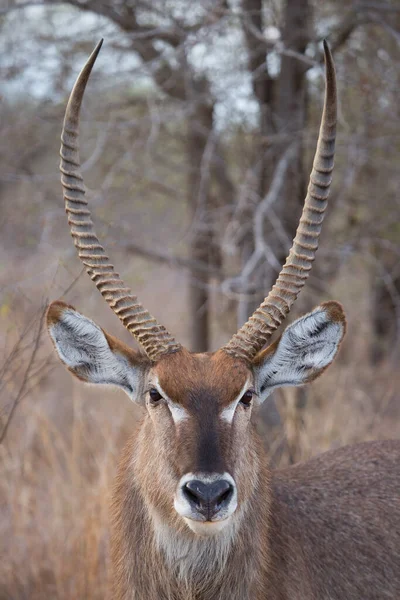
<point>262,249</point>
<point>173,261</point>
<point>25,379</point>
<point>74,281</point>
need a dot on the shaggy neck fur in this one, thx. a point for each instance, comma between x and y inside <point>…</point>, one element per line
<point>196,562</point>
<point>156,556</point>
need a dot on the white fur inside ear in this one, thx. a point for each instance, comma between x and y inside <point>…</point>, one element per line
<point>306,347</point>
<point>83,348</point>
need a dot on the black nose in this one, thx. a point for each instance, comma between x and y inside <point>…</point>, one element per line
<point>208,498</point>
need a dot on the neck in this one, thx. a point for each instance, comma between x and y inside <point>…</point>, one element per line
<point>156,555</point>
<point>194,560</point>
<point>220,567</point>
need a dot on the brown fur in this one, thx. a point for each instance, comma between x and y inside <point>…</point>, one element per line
<point>335,525</point>
<point>140,569</point>
<point>55,311</point>
<point>326,529</point>
<point>336,313</point>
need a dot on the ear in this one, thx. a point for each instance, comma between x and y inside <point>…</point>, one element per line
<point>304,350</point>
<point>93,355</point>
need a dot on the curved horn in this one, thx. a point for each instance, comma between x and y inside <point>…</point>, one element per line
<point>276,306</point>
<point>154,338</point>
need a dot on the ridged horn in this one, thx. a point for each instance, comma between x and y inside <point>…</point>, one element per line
<point>252,336</point>
<point>154,338</point>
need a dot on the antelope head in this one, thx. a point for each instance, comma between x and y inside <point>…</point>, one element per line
<point>196,458</point>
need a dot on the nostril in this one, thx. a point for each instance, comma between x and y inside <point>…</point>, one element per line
<point>191,495</point>
<point>225,496</point>
<point>222,492</point>
<point>196,492</point>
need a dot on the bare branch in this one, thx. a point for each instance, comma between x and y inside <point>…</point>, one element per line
<point>378,6</point>
<point>19,6</point>
<point>26,376</point>
<point>257,49</point>
<point>240,284</point>
<point>173,261</point>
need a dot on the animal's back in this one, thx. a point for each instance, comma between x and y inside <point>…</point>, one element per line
<point>335,525</point>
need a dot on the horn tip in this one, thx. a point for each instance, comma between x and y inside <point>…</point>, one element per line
<point>327,52</point>
<point>97,49</point>
<point>330,79</point>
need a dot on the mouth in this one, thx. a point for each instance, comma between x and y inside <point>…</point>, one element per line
<point>207,528</point>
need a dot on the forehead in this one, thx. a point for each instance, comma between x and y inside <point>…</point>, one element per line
<point>184,376</point>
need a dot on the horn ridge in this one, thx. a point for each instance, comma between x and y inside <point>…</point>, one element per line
<point>254,334</point>
<point>154,338</point>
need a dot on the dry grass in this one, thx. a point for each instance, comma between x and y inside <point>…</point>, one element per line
<point>55,490</point>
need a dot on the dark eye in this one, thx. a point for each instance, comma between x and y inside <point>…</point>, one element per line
<point>247,398</point>
<point>155,395</point>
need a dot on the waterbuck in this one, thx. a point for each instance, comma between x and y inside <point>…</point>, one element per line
<point>197,512</point>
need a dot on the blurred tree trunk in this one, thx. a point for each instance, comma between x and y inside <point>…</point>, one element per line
<point>263,89</point>
<point>200,128</point>
<point>386,290</point>
<point>291,113</point>
<point>385,313</point>
<point>282,112</point>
